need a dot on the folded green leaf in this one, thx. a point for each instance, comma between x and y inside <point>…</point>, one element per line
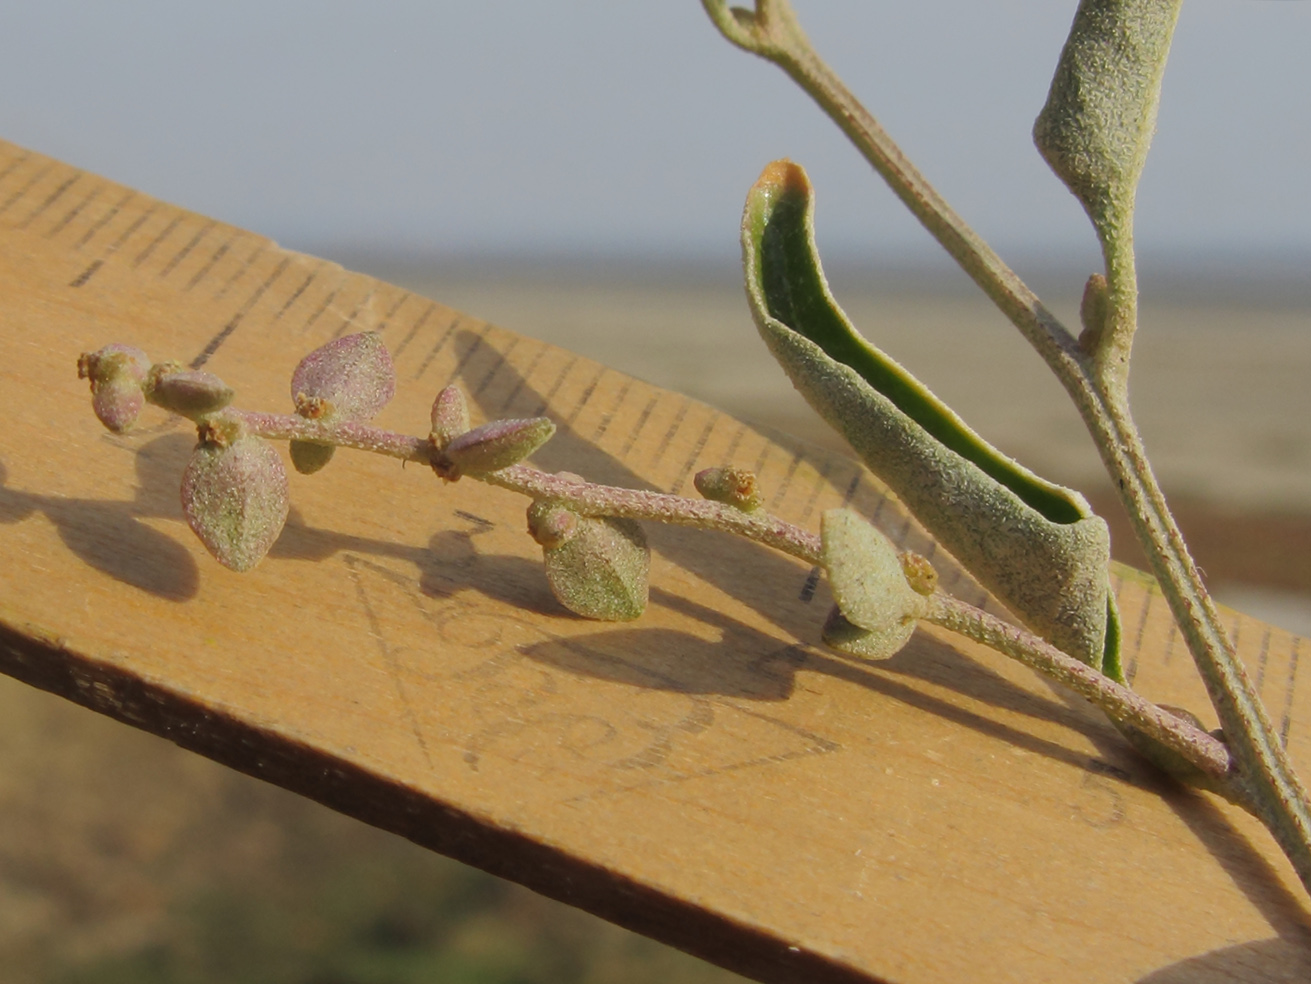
<point>877,605</point>
<point>1037,546</point>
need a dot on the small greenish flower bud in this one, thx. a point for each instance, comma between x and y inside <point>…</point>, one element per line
<point>551,524</point>
<point>870,588</point>
<point>235,499</point>
<point>313,407</point>
<point>599,567</point>
<point>1093,310</point>
<point>188,392</point>
<point>450,417</point>
<point>920,574</point>
<point>221,431</point>
<point>309,456</point>
<point>496,445</point>
<point>117,374</point>
<point>353,376</point>
<point>735,487</point>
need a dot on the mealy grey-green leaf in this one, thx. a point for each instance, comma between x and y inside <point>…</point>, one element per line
<point>1035,545</point>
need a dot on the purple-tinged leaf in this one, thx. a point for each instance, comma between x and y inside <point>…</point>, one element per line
<point>496,445</point>
<point>117,373</point>
<point>235,500</point>
<point>349,378</point>
<point>450,417</point>
<point>189,392</point>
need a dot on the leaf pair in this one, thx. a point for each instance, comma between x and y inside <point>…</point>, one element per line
<point>1037,546</point>
<point>234,490</point>
<point>349,378</point>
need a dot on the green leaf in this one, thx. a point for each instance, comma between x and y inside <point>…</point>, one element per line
<point>598,567</point>
<point>877,604</point>
<point>1037,546</point>
<point>1097,124</point>
<point>235,499</point>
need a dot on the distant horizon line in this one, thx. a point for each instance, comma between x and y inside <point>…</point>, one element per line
<point>1279,276</point>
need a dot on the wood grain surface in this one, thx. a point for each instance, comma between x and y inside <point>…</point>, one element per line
<point>709,775</point>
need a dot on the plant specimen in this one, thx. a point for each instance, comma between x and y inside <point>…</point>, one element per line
<point>1035,545</point>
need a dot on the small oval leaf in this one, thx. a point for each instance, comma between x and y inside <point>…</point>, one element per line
<point>450,417</point>
<point>869,584</point>
<point>235,499</point>
<point>309,456</point>
<point>497,445</point>
<point>353,375</point>
<point>736,487</point>
<point>600,565</point>
<point>191,393</point>
<point>117,374</point>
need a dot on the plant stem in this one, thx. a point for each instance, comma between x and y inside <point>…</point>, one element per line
<point>1205,753</point>
<point>1208,754</point>
<point>1097,384</point>
<point>582,497</point>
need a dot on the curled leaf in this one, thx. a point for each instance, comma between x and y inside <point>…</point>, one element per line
<point>188,392</point>
<point>1035,545</point>
<point>494,446</point>
<point>597,566</point>
<point>879,607</point>
<point>1097,123</point>
<point>235,499</point>
<point>117,374</point>
<point>349,378</point>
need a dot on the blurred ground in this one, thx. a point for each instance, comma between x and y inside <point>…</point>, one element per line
<point>123,858</point>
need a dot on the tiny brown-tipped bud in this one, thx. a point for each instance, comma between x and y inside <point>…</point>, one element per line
<point>496,445</point>
<point>118,374</point>
<point>601,570</point>
<point>732,486</point>
<point>313,407</point>
<point>551,524</point>
<point>1093,310</point>
<point>920,574</point>
<point>450,417</point>
<point>188,392</point>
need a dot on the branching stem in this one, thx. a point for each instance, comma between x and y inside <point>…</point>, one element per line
<point>1207,755</point>
<point>1097,383</point>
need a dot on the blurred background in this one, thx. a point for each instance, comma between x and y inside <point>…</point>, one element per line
<point>576,172</point>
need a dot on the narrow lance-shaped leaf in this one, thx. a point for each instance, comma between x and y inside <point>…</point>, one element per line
<point>1035,545</point>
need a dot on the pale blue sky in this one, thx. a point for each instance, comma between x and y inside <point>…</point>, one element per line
<point>630,128</point>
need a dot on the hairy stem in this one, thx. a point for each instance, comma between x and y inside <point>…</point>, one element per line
<point>1205,753</point>
<point>1200,749</point>
<point>582,497</point>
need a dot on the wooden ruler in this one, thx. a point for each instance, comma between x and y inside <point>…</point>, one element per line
<point>708,775</point>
